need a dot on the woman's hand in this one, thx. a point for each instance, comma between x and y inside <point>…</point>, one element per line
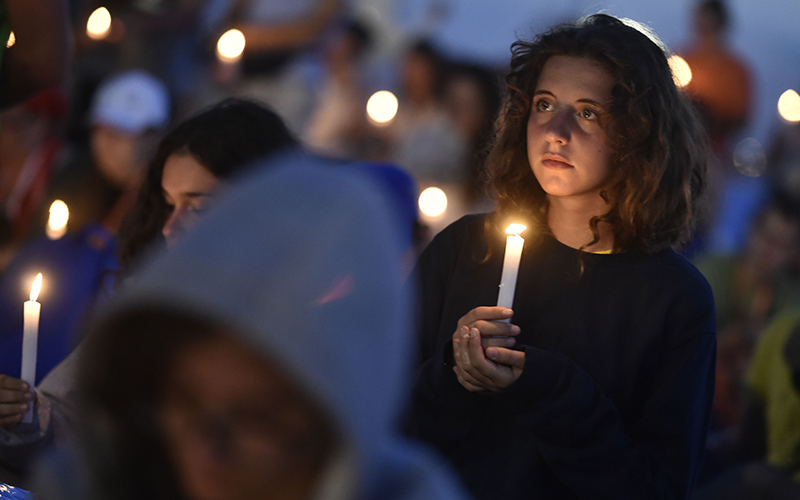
<point>481,350</point>
<point>15,399</point>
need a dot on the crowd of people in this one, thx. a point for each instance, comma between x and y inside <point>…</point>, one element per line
<point>247,303</point>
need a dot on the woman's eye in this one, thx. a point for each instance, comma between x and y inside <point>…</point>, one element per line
<point>588,114</point>
<point>542,105</point>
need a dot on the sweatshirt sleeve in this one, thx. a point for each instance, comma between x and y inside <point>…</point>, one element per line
<point>437,393</point>
<point>580,433</point>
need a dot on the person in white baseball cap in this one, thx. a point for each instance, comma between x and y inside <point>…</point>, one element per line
<point>128,113</point>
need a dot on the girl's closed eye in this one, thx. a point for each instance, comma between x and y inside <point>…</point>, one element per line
<point>198,209</point>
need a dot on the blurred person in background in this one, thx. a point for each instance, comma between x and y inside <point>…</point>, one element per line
<point>422,137</point>
<point>31,142</point>
<point>279,35</point>
<point>721,83</point>
<point>722,89</point>
<point>192,164</point>
<point>129,114</point>
<point>783,157</point>
<point>338,122</point>
<point>472,100</point>
<point>750,287</point>
<point>764,461</point>
<point>234,367</point>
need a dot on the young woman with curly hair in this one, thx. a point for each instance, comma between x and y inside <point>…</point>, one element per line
<point>598,383</point>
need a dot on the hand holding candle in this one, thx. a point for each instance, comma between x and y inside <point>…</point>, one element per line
<point>30,340</point>
<point>508,280</point>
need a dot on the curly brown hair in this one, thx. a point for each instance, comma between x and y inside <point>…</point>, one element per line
<point>658,146</point>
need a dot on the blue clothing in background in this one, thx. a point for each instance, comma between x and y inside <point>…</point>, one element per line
<point>75,269</point>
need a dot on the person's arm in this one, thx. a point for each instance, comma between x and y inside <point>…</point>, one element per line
<point>282,37</point>
<point>40,56</point>
<point>437,395</point>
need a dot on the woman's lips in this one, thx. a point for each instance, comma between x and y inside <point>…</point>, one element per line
<point>555,161</point>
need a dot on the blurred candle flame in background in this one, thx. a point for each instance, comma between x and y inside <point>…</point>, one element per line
<point>789,106</point>
<point>382,107</point>
<point>231,45</point>
<point>432,202</point>
<point>681,72</point>
<point>99,24</point>
<point>57,223</point>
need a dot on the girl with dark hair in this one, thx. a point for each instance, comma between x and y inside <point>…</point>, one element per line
<point>599,382</point>
<point>214,145</point>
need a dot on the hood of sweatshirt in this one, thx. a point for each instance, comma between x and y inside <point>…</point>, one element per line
<point>303,261</point>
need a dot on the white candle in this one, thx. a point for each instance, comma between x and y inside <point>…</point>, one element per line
<point>508,280</point>
<point>30,340</point>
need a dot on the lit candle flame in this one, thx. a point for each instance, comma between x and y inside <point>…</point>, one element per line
<point>382,107</point>
<point>11,40</point>
<point>681,72</point>
<point>36,288</point>
<point>57,223</point>
<point>515,229</point>
<point>231,45</point>
<point>99,24</point>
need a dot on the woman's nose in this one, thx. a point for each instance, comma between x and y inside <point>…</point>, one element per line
<point>559,128</point>
<point>173,227</point>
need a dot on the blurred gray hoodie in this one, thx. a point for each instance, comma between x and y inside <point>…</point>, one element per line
<point>303,262</point>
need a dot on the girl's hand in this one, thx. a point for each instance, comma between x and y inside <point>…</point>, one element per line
<point>15,399</point>
<point>479,330</point>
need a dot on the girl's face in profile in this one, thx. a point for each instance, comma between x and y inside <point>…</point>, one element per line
<point>188,188</point>
<point>567,147</point>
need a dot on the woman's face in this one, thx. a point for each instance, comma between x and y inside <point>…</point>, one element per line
<point>117,155</point>
<point>236,428</point>
<point>567,146</point>
<point>188,189</point>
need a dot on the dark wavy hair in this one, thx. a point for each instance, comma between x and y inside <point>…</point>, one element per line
<point>658,146</point>
<point>227,139</point>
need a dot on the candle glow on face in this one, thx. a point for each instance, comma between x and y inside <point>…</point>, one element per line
<point>230,45</point>
<point>99,24</point>
<point>57,223</point>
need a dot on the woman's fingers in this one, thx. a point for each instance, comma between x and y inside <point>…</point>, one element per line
<point>465,381</point>
<point>506,342</point>
<point>514,359</point>
<point>489,313</point>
